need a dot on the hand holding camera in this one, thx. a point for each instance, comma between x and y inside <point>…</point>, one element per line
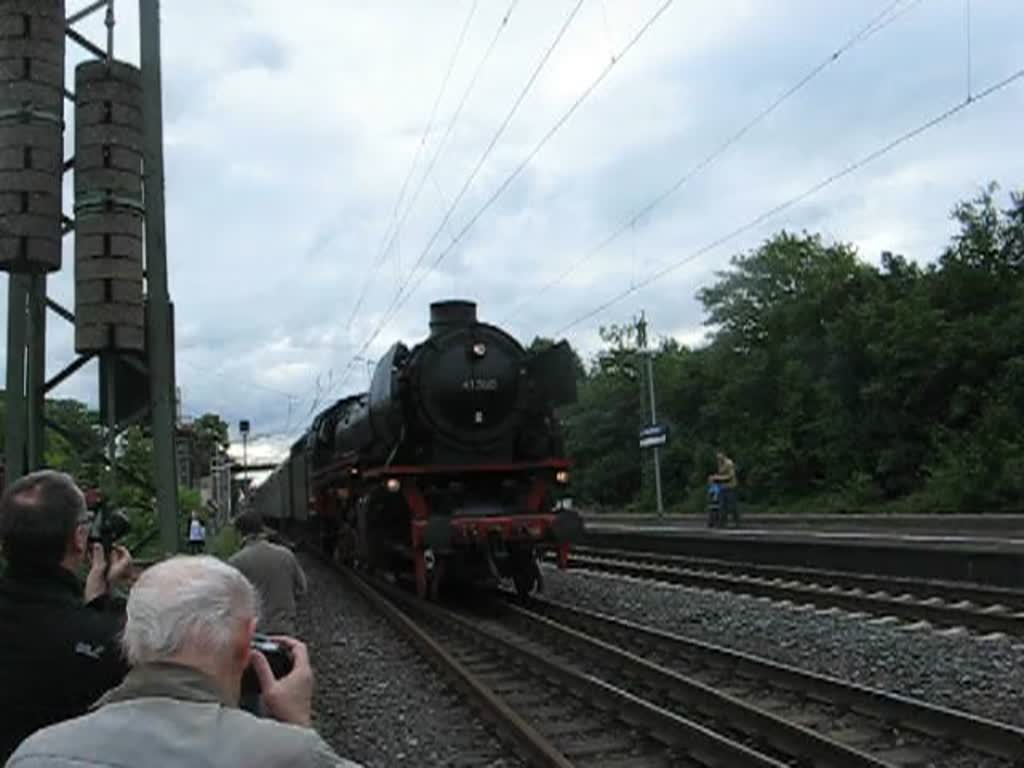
<point>111,563</point>
<point>282,667</point>
<point>119,567</point>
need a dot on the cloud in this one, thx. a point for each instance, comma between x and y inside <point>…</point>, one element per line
<point>290,131</point>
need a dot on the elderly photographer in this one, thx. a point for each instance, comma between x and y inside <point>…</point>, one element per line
<point>58,642</point>
<point>190,628</point>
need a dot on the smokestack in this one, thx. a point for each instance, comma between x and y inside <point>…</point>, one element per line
<point>446,315</point>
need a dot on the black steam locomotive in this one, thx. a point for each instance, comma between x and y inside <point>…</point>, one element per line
<point>452,463</point>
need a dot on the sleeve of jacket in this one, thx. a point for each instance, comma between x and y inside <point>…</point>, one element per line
<point>102,665</point>
<point>322,756</point>
<point>299,578</point>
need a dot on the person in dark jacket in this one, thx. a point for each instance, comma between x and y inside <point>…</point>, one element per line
<point>189,635</point>
<point>59,648</point>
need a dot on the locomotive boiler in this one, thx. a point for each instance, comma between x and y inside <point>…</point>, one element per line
<point>453,464</point>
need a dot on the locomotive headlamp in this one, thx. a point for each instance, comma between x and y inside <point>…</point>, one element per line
<point>394,485</point>
<point>479,349</point>
<point>562,476</point>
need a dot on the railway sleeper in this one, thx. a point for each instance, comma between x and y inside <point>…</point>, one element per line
<point>886,711</point>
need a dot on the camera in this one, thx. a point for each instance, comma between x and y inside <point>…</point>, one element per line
<point>277,655</point>
<point>108,525</point>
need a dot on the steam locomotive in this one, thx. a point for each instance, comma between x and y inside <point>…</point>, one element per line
<point>452,466</point>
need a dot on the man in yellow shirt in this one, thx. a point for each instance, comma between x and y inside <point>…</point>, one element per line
<point>726,478</point>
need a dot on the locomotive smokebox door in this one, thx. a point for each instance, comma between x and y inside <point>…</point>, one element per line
<point>553,373</point>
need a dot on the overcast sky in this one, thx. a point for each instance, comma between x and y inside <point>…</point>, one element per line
<point>291,128</point>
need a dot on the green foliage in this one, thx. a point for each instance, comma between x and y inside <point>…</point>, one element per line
<point>189,501</point>
<point>77,444</point>
<point>831,382</point>
<point>211,433</point>
<point>224,543</point>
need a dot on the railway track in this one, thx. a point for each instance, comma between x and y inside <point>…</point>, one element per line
<point>946,604</point>
<point>553,713</point>
<point>570,688</point>
<point>884,727</point>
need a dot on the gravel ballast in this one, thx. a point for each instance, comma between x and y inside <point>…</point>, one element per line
<point>377,701</point>
<point>961,671</point>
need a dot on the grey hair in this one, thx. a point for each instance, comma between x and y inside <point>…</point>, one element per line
<point>186,603</point>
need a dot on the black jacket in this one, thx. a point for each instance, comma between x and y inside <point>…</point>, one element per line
<point>57,654</point>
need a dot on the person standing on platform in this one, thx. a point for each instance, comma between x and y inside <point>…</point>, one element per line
<point>196,535</point>
<point>726,478</point>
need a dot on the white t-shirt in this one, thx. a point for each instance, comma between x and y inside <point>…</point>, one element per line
<point>196,531</point>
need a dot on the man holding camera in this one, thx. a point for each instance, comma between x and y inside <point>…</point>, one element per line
<point>58,643</point>
<point>189,637</point>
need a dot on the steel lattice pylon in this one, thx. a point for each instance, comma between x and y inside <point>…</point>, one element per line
<point>119,205</point>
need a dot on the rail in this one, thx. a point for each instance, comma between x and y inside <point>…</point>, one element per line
<point>801,586</point>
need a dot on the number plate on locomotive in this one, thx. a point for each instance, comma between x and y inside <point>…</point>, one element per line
<point>480,385</point>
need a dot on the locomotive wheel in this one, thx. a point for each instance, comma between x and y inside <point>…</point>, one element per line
<point>527,576</point>
<point>434,588</point>
<point>346,547</point>
<point>525,580</point>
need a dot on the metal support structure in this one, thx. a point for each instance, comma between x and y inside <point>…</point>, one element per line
<point>61,310</point>
<point>16,440</point>
<point>159,331</point>
<point>68,371</point>
<point>243,427</point>
<point>649,354</point>
<point>28,304</point>
<point>109,360</point>
<point>109,22</point>
<point>90,9</point>
<point>91,451</point>
<point>35,376</point>
<point>85,43</point>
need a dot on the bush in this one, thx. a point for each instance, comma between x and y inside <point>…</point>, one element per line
<point>224,543</point>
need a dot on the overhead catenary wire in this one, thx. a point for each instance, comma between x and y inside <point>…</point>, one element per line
<point>890,13</point>
<point>584,95</point>
<point>789,203</point>
<point>400,297</point>
<point>524,91</point>
<point>249,382</point>
<point>394,228</point>
<point>290,398</point>
<point>428,173</point>
<point>385,243</point>
<point>967,41</point>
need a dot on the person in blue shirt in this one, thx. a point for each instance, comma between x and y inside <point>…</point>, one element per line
<point>196,535</point>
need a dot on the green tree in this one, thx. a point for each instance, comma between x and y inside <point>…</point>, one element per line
<point>832,382</point>
<point>211,435</point>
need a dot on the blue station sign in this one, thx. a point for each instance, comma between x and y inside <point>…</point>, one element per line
<point>654,435</point>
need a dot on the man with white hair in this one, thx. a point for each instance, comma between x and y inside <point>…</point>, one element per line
<point>188,636</point>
